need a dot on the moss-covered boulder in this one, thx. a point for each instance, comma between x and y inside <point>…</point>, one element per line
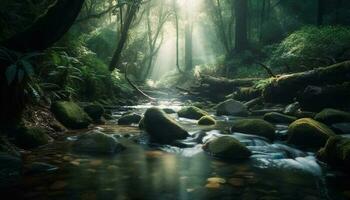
<point>161,128</point>
<point>191,112</point>
<point>130,118</point>
<point>169,111</point>
<point>336,152</point>
<point>31,137</point>
<point>96,142</point>
<point>275,117</point>
<point>309,133</point>
<point>206,120</point>
<point>332,116</point>
<point>257,127</point>
<point>232,107</point>
<point>71,115</point>
<point>95,112</point>
<point>227,147</point>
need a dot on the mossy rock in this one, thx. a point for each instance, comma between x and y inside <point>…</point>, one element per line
<point>309,133</point>
<point>227,147</point>
<point>275,117</point>
<point>95,112</point>
<point>128,119</point>
<point>206,120</point>
<point>192,112</point>
<point>169,111</point>
<point>332,116</point>
<point>96,142</point>
<point>31,137</point>
<point>232,107</point>
<point>161,128</point>
<point>257,127</point>
<point>71,115</point>
<point>336,153</point>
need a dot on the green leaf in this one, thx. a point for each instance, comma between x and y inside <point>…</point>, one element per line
<point>28,68</point>
<point>11,73</point>
<point>20,75</point>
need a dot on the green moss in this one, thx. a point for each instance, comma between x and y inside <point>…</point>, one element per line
<point>227,148</point>
<point>307,132</point>
<point>257,127</point>
<point>206,120</point>
<point>336,152</point>
<point>70,114</point>
<point>331,116</point>
<point>31,137</point>
<point>161,127</point>
<point>275,117</point>
<point>192,112</point>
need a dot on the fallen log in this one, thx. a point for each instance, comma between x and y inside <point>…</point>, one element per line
<point>285,88</point>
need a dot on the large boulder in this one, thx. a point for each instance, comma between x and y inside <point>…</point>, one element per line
<point>206,120</point>
<point>130,118</point>
<point>227,147</point>
<point>95,112</point>
<point>309,133</point>
<point>275,117</point>
<point>232,107</point>
<point>161,127</point>
<point>332,116</point>
<point>31,137</point>
<point>96,142</point>
<point>336,152</point>
<point>191,112</point>
<point>71,115</point>
<point>257,127</point>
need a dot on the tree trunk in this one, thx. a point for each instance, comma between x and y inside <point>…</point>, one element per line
<point>241,40</point>
<point>48,29</point>
<point>188,47</point>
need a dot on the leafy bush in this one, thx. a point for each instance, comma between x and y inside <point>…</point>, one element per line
<point>312,47</point>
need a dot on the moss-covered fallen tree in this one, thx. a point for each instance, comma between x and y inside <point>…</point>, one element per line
<point>285,88</point>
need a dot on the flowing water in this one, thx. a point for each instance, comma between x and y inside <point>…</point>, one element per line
<point>151,171</point>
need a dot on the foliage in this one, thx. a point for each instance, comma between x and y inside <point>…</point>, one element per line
<point>312,47</point>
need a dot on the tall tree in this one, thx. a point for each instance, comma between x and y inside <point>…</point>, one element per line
<point>241,38</point>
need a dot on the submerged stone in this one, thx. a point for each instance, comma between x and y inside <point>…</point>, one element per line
<point>232,107</point>
<point>331,116</point>
<point>192,112</point>
<point>70,114</point>
<point>96,142</point>
<point>257,127</point>
<point>129,119</point>
<point>206,120</point>
<point>31,137</point>
<point>275,117</point>
<point>227,147</point>
<point>161,128</point>
<point>309,133</point>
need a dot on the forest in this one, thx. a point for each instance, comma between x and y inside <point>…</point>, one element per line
<point>175,99</point>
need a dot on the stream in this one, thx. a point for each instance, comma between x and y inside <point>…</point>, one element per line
<point>151,171</point>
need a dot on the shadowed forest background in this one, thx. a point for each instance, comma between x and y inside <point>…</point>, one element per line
<point>272,74</point>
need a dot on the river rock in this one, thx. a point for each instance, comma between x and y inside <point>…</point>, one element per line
<point>31,137</point>
<point>71,115</point>
<point>257,127</point>
<point>331,116</point>
<point>96,142</point>
<point>161,128</point>
<point>336,152</point>
<point>10,170</point>
<point>232,107</point>
<point>227,147</point>
<point>206,120</point>
<point>309,133</point>
<point>95,111</point>
<point>292,109</point>
<point>169,111</point>
<point>128,119</point>
<point>191,112</point>
<point>275,117</point>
